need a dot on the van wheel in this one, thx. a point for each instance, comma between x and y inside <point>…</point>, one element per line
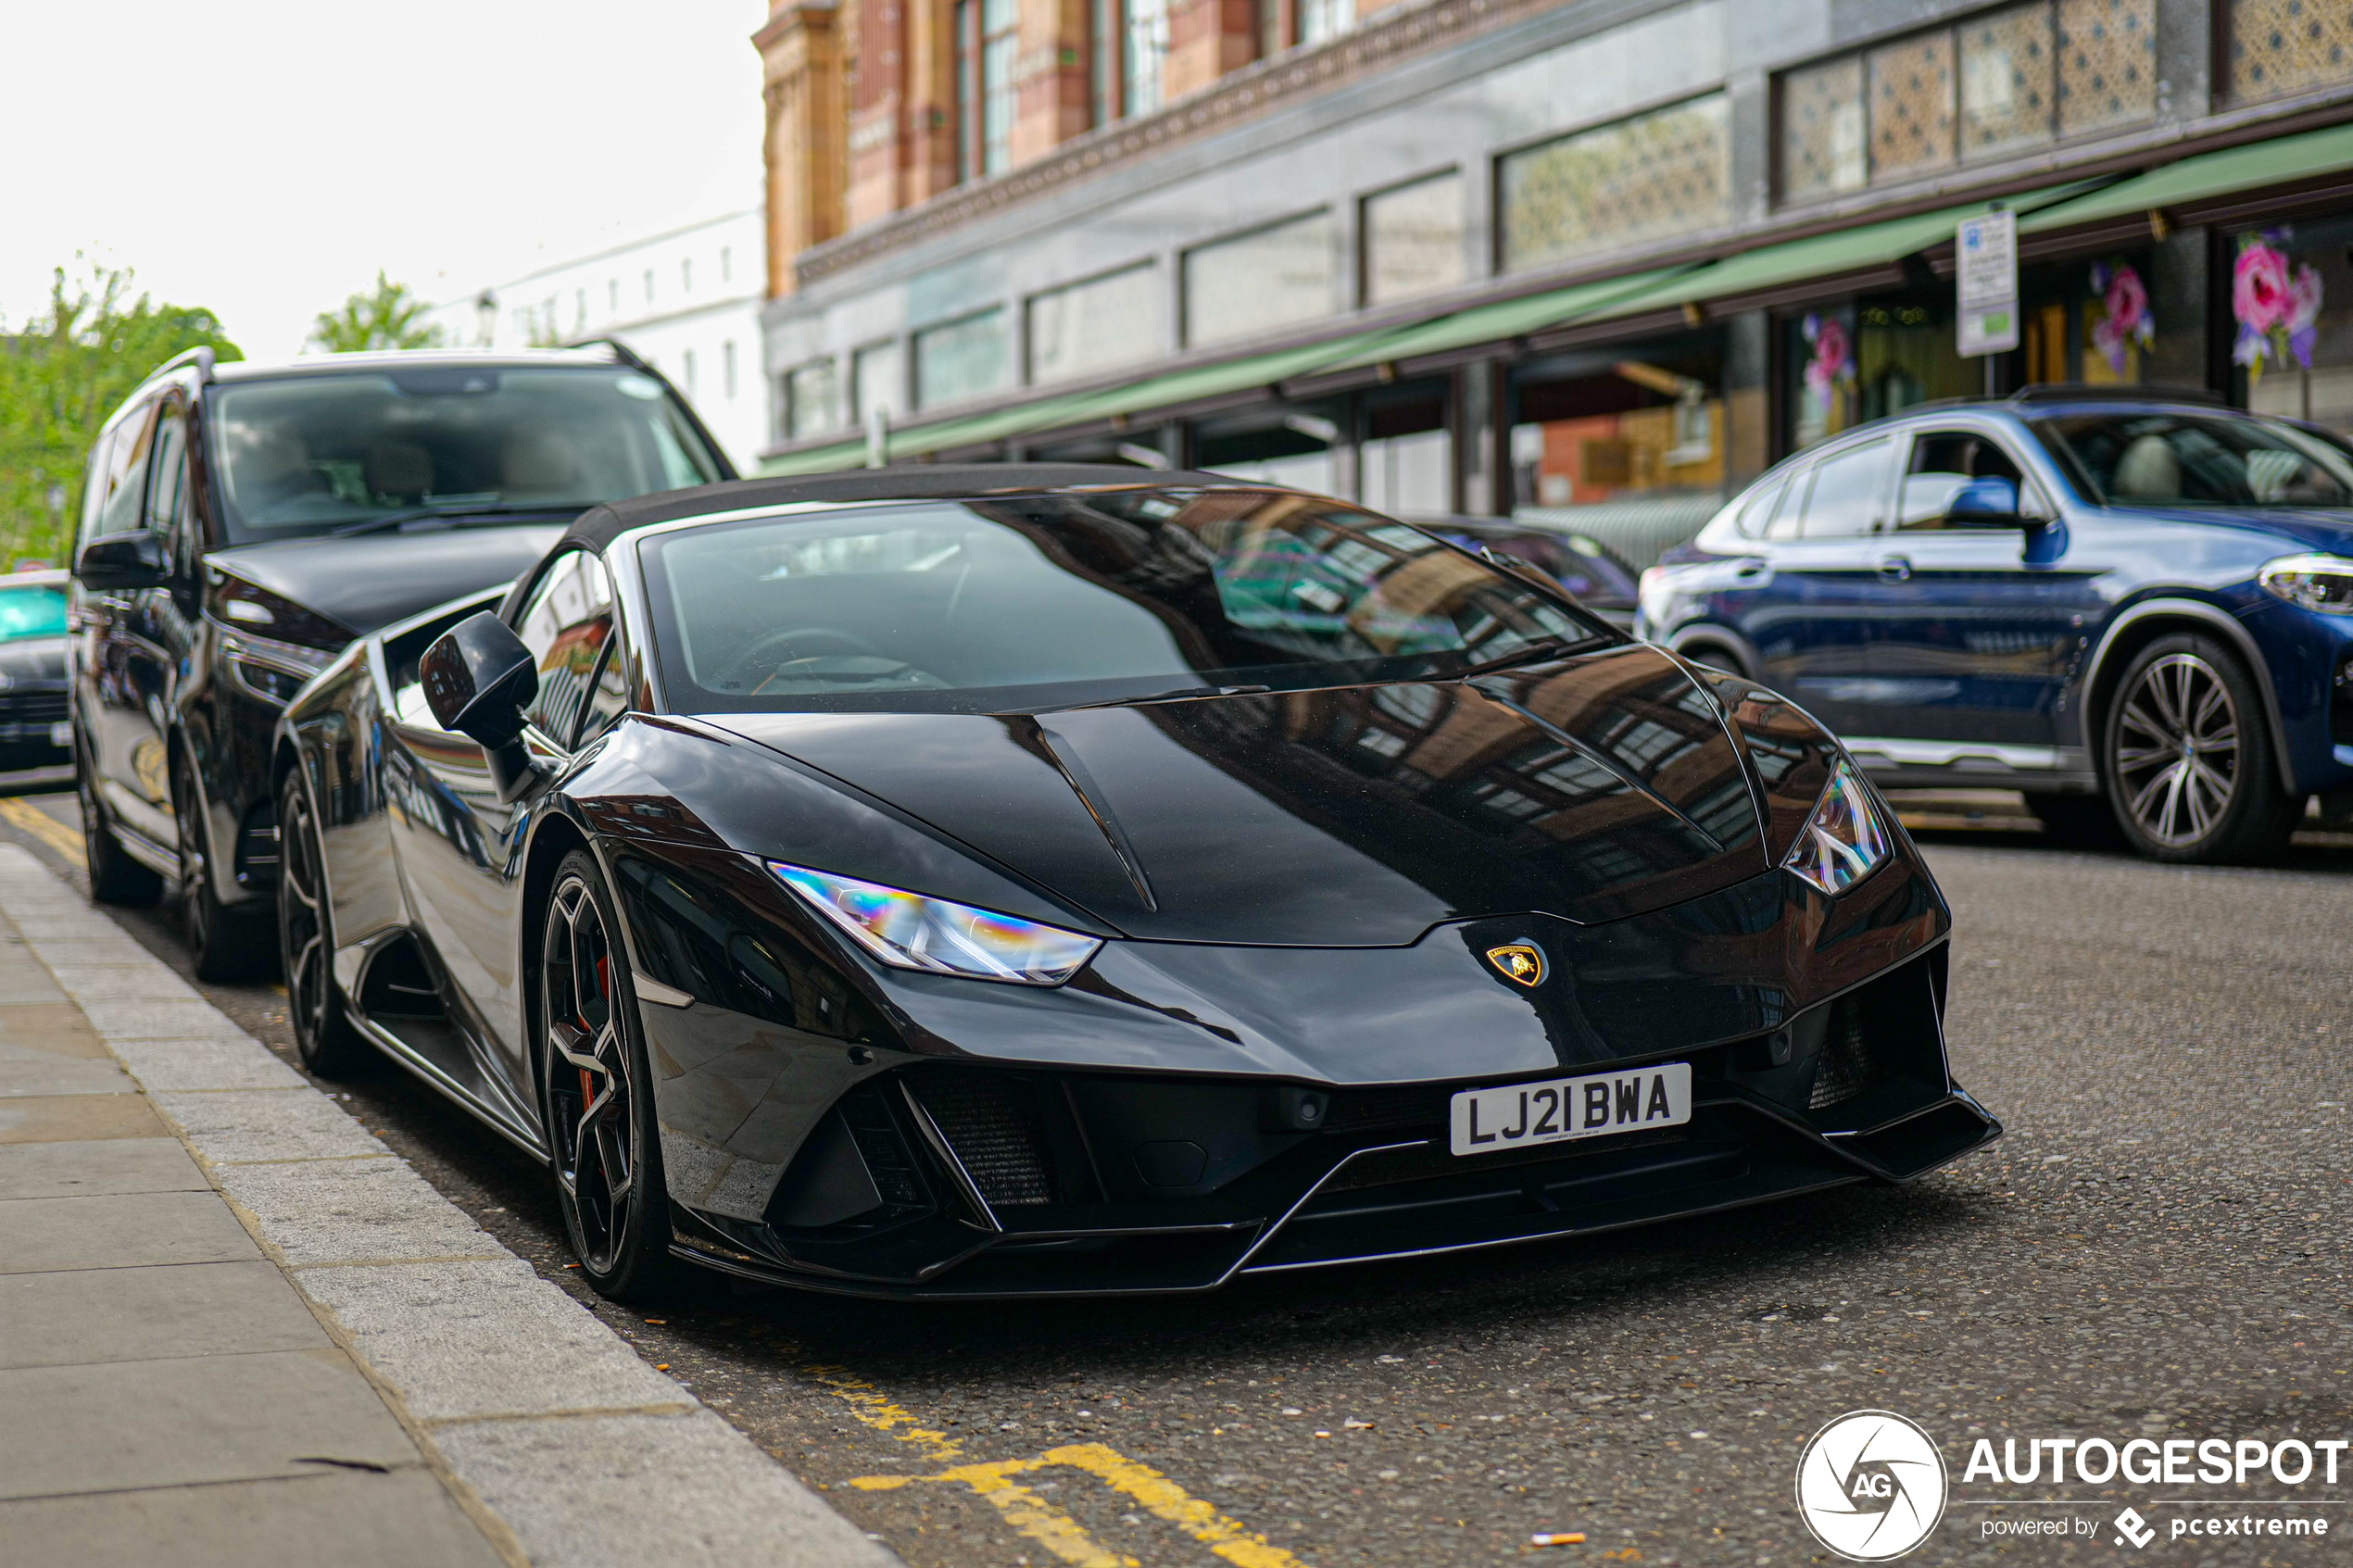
<point>2188,761</point>
<point>115,877</point>
<point>227,942</point>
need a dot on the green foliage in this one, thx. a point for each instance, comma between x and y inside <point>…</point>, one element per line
<point>385,317</point>
<point>61,375</point>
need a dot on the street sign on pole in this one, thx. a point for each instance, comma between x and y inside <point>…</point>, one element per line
<point>1986,255</point>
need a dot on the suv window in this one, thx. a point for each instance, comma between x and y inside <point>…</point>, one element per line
<point>566,623</point>
<point>122,501</point>
<point>1850,492</point>
<point>168,482</point>
<point>1759,512</point>
<point>1943,460</point>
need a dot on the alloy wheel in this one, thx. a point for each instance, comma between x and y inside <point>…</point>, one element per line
<point>196,908</point>
<point>302,933</point>
<point>591,1113</point>
<point>2178,750</point>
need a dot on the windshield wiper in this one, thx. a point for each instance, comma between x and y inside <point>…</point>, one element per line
<point>1552,648</point>
<point>416,514</point>
<point>1174,693</point>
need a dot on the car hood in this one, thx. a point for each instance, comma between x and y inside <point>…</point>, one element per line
<point>376,579</point>
<point>1592,788</point>
<point>33,659</point>
<point>2317,528</point>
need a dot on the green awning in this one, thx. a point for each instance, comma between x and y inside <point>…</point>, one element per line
<point>1505,318</point>
<point>2209,174</point>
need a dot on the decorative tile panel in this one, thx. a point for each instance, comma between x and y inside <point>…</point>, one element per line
<point>1822,140</point>
<point>2007,80</point>
<point>1668,172</point>
<point>2288,45</point>
<point>2106,62</point>
<point>1911,104</point>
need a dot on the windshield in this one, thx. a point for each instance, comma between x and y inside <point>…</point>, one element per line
<point>1058,600</point>
<point>32,612</point>
<point>309,453</point>
<point>2199,460</point>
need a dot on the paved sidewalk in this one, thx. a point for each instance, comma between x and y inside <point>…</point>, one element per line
<point>235,1329</point>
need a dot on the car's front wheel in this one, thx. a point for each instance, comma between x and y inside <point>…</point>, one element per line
<point>227,942</point>
<point>595,1093</point>
<point>324,1036</point>
<point>2188,758</point>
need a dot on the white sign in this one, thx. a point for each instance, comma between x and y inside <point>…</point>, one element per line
<point>1985,259</point>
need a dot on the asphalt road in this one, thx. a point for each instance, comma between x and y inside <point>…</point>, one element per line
<point>2158,1249</point>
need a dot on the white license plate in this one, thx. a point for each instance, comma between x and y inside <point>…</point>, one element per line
<point>61,733</point>
<point>1485,1120</point>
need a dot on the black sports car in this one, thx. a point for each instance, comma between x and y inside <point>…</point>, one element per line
<point>1005,881</point>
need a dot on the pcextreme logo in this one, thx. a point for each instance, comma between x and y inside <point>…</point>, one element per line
<point>1870,1486</point>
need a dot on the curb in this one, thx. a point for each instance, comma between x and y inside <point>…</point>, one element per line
<point>561,1442</point>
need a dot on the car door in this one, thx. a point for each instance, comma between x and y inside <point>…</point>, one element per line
<point>168,618</point>
<point>1808,622</point>
<point>126,685</point>
<point>460,846</point>
<point>1974,629</point>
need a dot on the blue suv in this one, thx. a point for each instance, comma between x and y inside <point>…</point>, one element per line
<point>2135,608</point>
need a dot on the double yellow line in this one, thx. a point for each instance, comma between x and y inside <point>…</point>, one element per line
<point>21,813</point>
<point>1030,1514</point>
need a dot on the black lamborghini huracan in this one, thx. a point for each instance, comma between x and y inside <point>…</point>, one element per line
<point>1023,881</point>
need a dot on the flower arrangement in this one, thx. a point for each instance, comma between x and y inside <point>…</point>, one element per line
<point>2277,306</point>
<point>1833,362</point>
<point>2127,321</point>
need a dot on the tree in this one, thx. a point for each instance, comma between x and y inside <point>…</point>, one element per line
<point>386,317</point>
<point>61,375</point>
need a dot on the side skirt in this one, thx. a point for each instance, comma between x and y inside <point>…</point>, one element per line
<point>441,1079</point>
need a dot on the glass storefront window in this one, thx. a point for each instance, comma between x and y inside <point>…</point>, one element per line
<point>1095,325</point>
<point>1414,239</point>
<point>1265,278</point>
<point>1657,174</point>
<point>962,359</point>
<point>1296,445</point>
<point>1637,420</point>
<point>1405,464</point>
<point>2280,46</point>
<point>812,399</point>
<point>1878,356</point>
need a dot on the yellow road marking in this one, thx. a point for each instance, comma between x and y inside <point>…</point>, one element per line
<point>1021,1507</point>
<point>43,826</point>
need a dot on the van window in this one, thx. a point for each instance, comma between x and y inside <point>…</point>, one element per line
<point>168,480</point>
<point>121,507</point>
<point>1850,492</point>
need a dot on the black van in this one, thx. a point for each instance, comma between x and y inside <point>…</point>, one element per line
<point>245,522</point>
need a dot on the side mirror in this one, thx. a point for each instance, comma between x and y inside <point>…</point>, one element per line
<point>477,677</point>
<point>115,563</point>
<point>1986,503</point>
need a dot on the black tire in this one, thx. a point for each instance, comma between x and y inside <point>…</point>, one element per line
<point>329,1046</point>
<point>2078,821</point>
<point>227,942</point>
<point>596,1093</point>
<point>2187,758</point>
<point>115,877</point>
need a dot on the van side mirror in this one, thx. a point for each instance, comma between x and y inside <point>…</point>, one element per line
<point>115,563</point>
<point>477,677</point>
<point>1986,503</point>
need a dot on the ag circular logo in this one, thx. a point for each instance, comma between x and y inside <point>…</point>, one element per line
<point>1870,1486</point>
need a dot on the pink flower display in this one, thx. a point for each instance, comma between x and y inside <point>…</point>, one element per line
<point>1829,364</point>
<point>2277,307</point>
<point>2126,320</point>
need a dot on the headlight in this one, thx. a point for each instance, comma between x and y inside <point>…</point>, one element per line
<point>2322,583</point>
<point>910,931</point>
<point>1843,842</point>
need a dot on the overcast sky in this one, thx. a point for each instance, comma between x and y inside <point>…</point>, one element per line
<point>264,157</point>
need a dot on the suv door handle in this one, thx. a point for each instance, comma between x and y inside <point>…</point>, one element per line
<point>1753,568</point>
<point>1894,568</point>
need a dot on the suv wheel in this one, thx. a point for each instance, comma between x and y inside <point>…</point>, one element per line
<point>227,942</point>
<point>115,877</point>
<point>2188,758</point>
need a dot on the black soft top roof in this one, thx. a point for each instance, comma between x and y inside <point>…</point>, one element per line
<point>599,526</point>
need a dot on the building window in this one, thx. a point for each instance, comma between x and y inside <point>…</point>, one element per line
<point>691,372</point>
<point>2002,81</point>
<point>877,382</point>
<point>812,399</point>
<point>2278,46</point>
<point>962,359</point>
<point>579,310</point>
<point>987,38</point>
<point>1143,36</point>
<point>649,285</point>
<point>687,275</point>
<point>1655,175</point>
<point>727,370</point>
<point>1095,325</point>
<point>612,297</point>
<point>1414,239</point>
<point>1257,281</point>
<point>1646,426</point>
<point>1320,19</point>
<point>727,265</point>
